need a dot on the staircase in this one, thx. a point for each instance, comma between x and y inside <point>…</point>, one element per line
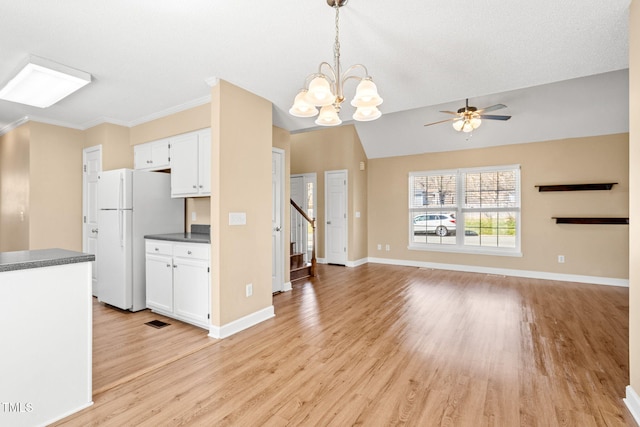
<point>299,267</point>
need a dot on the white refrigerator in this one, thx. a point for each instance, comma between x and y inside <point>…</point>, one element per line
<point>131,204</point>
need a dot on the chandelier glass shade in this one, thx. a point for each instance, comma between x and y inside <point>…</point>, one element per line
<point>325,88</point>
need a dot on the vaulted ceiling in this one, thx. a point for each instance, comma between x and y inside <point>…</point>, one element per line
<point>560,67</point>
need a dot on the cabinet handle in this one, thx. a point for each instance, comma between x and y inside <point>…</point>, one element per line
<point>201,186</point>
<point>156,249</point>
<point>194,186</point>
<point>188,252</point>
<point>175,266</point>
<point>168,265</point>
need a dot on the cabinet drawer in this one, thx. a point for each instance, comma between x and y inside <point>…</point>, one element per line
<point>195,251</point>
<point>157,247</point>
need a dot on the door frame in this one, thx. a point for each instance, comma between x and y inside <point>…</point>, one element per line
<point>345,172</point>
<point>279,255</point>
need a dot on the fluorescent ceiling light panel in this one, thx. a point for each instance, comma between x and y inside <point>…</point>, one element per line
<point>42,83</point>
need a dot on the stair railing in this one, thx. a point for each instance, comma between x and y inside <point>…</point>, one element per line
<point>301,214</point>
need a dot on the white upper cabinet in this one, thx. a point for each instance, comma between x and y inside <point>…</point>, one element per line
<point>151,155</point>
<point>191,164</point>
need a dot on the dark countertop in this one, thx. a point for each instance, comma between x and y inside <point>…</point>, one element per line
<point>181,237</point>
<point>22,260</point>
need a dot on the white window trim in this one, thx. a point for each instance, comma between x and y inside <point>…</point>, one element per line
<point>459,247</point>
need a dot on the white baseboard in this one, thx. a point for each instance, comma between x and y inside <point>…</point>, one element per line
<point>241,324</point>
<point>357,263</point>
<point>596,280</point>
<point>287,287</point>
<point>633,403</point>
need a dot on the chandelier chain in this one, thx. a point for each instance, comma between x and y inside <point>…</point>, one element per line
<point>336,45</point>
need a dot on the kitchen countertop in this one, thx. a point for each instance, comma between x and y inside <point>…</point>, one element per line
<point>22,260</point>
<point>181,237</point>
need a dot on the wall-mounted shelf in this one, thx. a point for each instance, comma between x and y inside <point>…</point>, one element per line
<point>576,187</point>
<point>591,220</point>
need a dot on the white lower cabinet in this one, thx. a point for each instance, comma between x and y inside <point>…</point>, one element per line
<point>178,280</point>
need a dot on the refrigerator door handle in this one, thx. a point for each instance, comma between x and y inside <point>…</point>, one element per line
<point>120,226</point>
<point>121,192</point>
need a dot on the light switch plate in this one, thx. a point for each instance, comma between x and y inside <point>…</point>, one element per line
<point>237,218</point>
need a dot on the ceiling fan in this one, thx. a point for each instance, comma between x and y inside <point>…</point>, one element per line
<point>469,118</point>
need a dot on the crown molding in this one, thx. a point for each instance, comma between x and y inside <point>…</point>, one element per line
<point>11,126</point>
<point>212,81</point>
<point>100,120</point>
<point>172,110</point>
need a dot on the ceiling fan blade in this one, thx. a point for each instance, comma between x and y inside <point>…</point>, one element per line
<point>442,121</point>
<point>449,112</point>
<point>492,108</point>
<point>490,117</point>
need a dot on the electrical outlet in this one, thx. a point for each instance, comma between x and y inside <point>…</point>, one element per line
<point>561,259</point>
<point>249,290</point>
<point>379,247</point>
<point>193,216</point>
<point>387,247</point>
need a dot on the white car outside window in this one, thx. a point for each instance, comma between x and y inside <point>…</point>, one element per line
<point>440,224</point>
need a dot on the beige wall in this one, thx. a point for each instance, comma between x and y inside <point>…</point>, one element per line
<point>335,149</point>
<point>592,250</point>
<point>55,187</point>
<point>634,195</point>
<point>175,124</point>
<point>201,206</point>
<point>282,140</point>
<point>241,160</point>
<point>14,189</point>
<point>116,149</point>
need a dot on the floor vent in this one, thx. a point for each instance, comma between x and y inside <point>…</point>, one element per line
<point>157,324</point>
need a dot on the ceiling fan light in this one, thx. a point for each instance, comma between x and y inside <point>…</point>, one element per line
<point>328,116</point>
<point>301,108</point>
<point>457,125</point>
<point>366,114</point>
<point>366,94</point>
<point>475,122</point>
<point>467,127</point>
<point>319,93</point>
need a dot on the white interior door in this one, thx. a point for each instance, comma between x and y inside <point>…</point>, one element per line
<point>92,166</point>
<point>336,217</point>
<point>277,241</point>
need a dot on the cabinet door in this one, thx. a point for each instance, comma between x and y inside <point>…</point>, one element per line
<point>159,270</point>
<point>160,154</point>
<point>142,156</point>
<point>191,290</point>
<point>204,162</point>
<point>151,155</point>
<point>184,161</point>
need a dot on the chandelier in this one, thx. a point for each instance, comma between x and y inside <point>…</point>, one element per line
<point>325,88</point>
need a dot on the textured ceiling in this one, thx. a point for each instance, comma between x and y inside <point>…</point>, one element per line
<point>150,57</point>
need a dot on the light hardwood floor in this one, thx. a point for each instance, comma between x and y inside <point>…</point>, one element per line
<point>383,345</point>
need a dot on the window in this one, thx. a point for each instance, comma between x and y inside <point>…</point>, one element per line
<point>466,210</point>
